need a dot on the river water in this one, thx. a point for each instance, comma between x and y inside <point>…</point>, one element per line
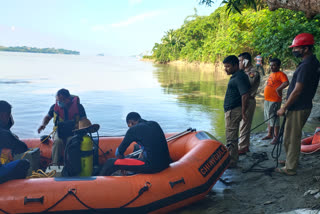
<point>178,97</point>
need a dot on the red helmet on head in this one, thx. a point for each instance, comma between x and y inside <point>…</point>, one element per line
<point>302,39</point>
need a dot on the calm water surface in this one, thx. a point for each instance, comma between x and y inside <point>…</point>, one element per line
<point>109,88</point>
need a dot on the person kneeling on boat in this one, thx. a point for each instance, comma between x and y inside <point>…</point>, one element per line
<point>10,144</point>
<point>155,154</point>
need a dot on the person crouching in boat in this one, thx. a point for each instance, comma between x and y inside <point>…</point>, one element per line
<point>10,144</point>
<point>155,154</point>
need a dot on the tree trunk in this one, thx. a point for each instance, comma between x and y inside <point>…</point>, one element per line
<point>310,7</point>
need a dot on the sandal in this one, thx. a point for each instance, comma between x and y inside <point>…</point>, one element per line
<point>284,171</point>
<point>268,137</point>
<point>243,151</point>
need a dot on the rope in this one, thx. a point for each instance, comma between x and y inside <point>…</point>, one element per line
<point>263,156</point>
<point>97,144</point>
<point>41,174</point>
<point>53,131</point>
<point>275,115</point>
<point>141,191</point>
<point>70,192</point>
<point>260,157</point>
<point>73,193</point>
<point>37,146</point>
<point>278,144</point>
<point>228,145</point>
<point>58,202</point>
<point>4,211</point>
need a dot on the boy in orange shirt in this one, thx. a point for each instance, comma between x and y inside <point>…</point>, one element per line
<point>277,81</point>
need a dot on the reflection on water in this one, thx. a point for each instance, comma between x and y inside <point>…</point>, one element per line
<point>200,92</point>
<point>177,97</point>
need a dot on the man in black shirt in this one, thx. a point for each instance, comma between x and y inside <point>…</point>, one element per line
<point>66,114</point>
<point>10,144</point>
<point>149,135</point>
<point>235,104</point>
<point>298,106</point>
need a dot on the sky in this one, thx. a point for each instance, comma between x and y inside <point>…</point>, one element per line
<point>112,27</point>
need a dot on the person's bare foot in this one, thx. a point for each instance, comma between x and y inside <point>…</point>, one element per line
<point>268,137</point>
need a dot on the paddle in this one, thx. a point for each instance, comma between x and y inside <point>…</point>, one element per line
<point>168,139</point>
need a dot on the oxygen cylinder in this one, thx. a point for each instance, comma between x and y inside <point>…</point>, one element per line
<point>86,147</point>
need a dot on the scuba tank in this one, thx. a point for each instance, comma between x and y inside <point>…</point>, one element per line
<point>86,150</point>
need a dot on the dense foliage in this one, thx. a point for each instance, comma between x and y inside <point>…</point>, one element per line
<point>211,38</point>
<point>38,50</point>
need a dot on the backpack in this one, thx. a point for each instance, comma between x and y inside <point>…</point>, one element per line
<point>72,157</point>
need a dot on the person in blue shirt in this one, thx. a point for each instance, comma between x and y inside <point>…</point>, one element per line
<point>149,135</point>
<point>10,144</point>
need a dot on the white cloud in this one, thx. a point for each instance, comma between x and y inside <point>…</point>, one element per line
<point>133,2</point>
<point>137,18</point>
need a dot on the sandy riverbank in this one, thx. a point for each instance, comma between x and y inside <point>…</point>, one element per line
<point>256,192</point>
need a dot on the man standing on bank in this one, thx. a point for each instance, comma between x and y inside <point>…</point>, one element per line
<point>66,113</point>
<point>235,104</point>
<point>254,79</point>
<point>276,82</point>
<point>155,153</point>
<point>298,106</point>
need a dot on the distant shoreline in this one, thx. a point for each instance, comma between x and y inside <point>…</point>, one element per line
<point>26,49</point>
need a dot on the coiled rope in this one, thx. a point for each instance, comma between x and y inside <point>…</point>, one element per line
<point>41,174</point>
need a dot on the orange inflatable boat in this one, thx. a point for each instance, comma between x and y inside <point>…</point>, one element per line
<point>311,144</point>
<point>198,162</point>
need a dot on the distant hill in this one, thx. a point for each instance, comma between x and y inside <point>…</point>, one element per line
<point>38,50</point>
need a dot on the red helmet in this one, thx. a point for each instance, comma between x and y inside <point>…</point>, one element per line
<point>302,39</point>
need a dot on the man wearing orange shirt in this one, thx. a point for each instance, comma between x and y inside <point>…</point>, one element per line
<point>277,81</point>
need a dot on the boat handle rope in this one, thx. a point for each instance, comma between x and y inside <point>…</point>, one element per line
<point>141,191</point>
<point>70,192</point>
<point>4,211</point>
<point>145,188</point>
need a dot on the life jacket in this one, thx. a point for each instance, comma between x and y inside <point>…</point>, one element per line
<point>316,136</point>
<point>73,112</point>
<point>5,156</point>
